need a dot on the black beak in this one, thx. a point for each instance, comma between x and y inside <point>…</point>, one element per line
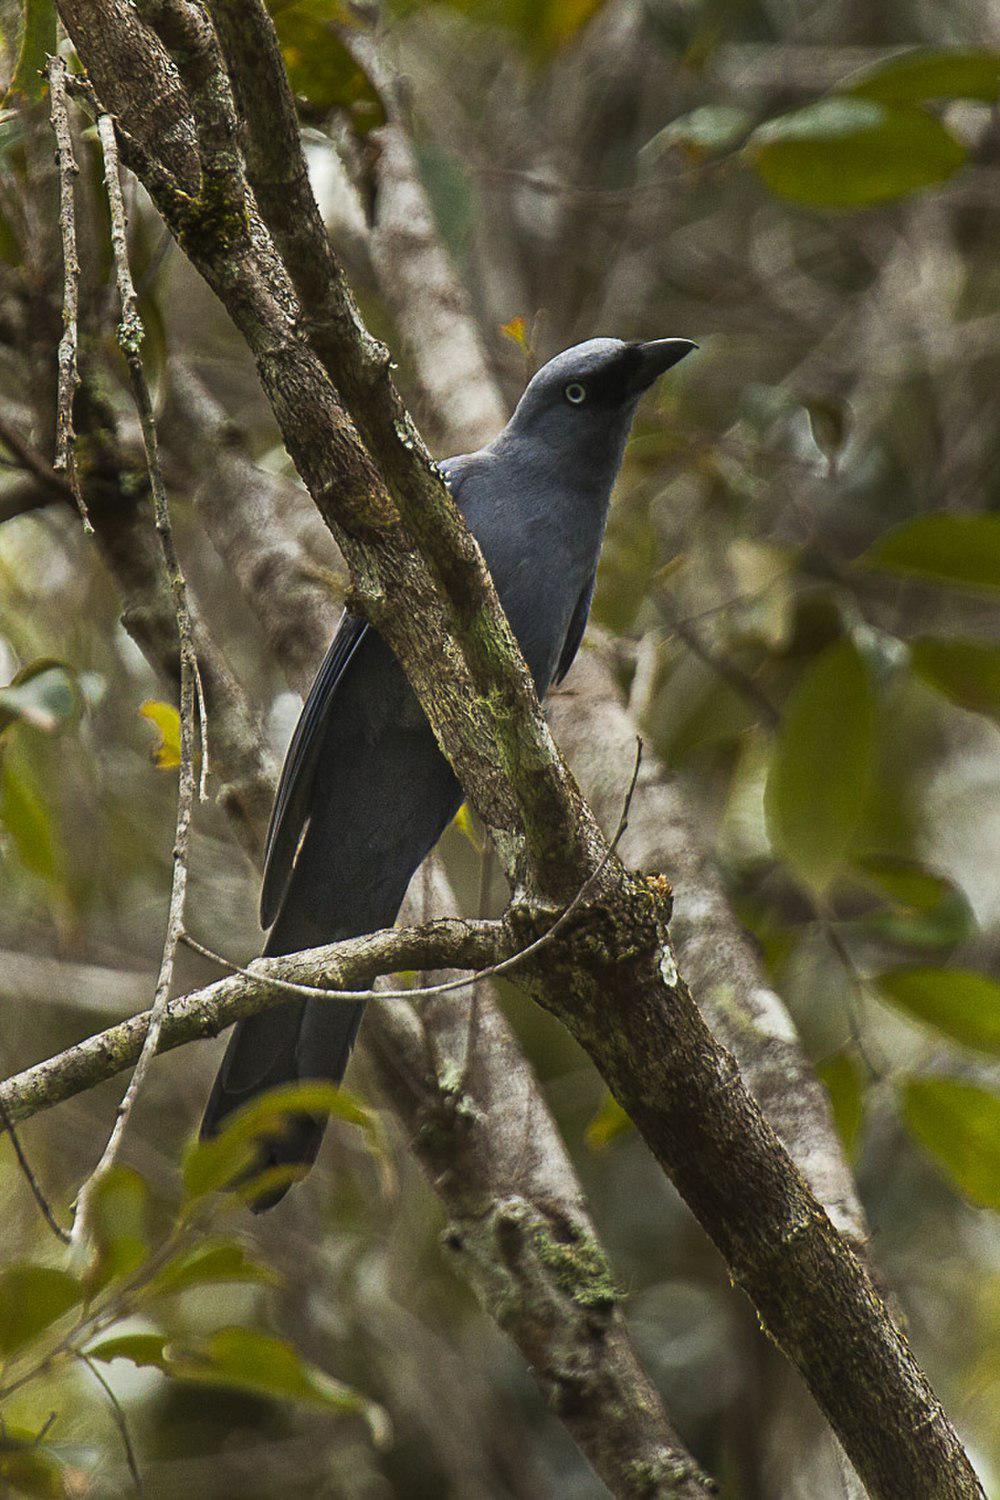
<point>657,357</point>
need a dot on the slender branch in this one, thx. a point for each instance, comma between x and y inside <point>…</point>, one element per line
<point>130,334</point>
<point>206,1012</point>
<point>7,1124</point>
<point>69,376</point>
<point>121,1422</point>
<point>130,337</point>
<point>33,462</point>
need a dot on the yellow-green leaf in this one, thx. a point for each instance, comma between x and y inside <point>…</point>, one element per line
<point>465,826</point>
<point>607,1125</point>
<point>211,1261</point>
<point>845,152</point>
<point>167,721</point>
<point>821,766</point>
<point>143,1349</point>
<point>963,1005</point>
<point>39,39</point>
<point>842,1079</point>
<point>220,1161</point>
<point>246,1359</point>
<point>954,549</point>
<point>959,1125</point>
<point>118,1218</point>
<point>929,73</point>
<point>29,822</point>
<point>323,72</point>
<point>32,1298</point>
<point>928,910</point>
<point>966,672</point>
<point>26,1468</point>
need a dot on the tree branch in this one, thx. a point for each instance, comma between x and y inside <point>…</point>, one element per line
<point>206,1012</point>
<point>734,996</point>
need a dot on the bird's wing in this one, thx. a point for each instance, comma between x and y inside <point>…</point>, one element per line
<point>290,813</point>
<point>577,625</point>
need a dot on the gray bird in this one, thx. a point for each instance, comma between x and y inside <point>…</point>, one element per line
<point>365,792</point>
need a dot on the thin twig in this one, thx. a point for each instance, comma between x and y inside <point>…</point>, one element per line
<point>69,375</point>
<point>32,461</point>
<point>314,992</point>
<point>43,1203</point>
<point>856,989</point>
<point>130,336</point>
<point>121,1422</point>
<point>739,680</point>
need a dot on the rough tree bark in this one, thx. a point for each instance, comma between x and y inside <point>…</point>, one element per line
<point>421,579</point>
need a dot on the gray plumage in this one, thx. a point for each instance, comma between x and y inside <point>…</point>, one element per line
<point>365,792</point>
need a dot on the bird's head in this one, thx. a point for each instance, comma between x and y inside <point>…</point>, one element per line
<point>579,407</point>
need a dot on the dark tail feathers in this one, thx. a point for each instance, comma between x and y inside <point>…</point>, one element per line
<point>290,1043</point>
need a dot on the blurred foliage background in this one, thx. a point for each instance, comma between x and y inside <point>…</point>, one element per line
<point>801,579</point>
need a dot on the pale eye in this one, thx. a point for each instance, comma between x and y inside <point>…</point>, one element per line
<point>575,393</point>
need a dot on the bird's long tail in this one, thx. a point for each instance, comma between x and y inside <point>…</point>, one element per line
<point>299,1039</point>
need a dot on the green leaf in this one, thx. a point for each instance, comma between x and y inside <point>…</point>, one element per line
<point>145,1350</point>
<point>541,27</point>
<point>966,672</point>
<point>960,550</point>
<point>39,40</point>
<point>43,695</point>
<point>167,721</point>
<point>466,827</point>
<point>929,912</point>
<point>217,1163</point>
<point>118,1217</point>
<point>32,1298</point>
<point>29,822</point>
<point>849,153</point>
<point>821,766</point>
<point>27,1468</point>
<point>830,423</point>
<point>959,1125</point>
<point>842,1079</point>
<point>963,1005</point>
<point>248,1360</point>
<point>607,1125</point>
<point>211,1261</point>
<point>704,132</point>
<point>321,69</point>
<point>931,73</point>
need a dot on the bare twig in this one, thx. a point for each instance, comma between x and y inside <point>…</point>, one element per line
<point>32,462</point>
<point>121,1422</point>
<point>723,666</point>
<point>69,377</point>
<point>26,1171</point>
<point>130,335</point>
